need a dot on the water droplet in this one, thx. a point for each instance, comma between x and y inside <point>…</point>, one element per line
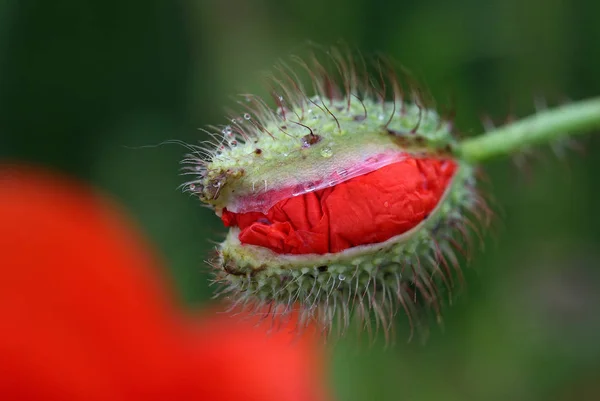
<point>246,116</point>
<point>192,187</point>
<point>233,144</point>
<point>326,152</point>
<point>309,186</point>
<point>226,130</point>
<point>341,277</point>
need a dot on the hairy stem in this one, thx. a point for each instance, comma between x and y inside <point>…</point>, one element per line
<point>541,128</point>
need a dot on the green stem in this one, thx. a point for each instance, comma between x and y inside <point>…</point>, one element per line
<point>541,128</point>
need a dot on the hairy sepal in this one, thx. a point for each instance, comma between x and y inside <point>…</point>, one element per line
<point>327,143</point>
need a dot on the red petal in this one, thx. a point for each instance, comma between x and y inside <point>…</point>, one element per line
<point>242,363</point>
<point>84,314</point>
<point>364,210</point>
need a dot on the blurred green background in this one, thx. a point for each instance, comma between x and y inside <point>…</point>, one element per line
<point>85,85</point>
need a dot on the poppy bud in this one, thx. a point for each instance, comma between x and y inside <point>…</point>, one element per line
<point>349,202</point>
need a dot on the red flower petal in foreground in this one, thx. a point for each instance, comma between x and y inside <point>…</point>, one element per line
<point>84,315</point>
<point>238,361</point>
<point>367,209</point>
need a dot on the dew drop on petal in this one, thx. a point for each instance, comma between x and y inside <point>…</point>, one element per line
<point>309,186</point>
<point>247,116</point>
<point>326,152</point>
<point>341,277</point>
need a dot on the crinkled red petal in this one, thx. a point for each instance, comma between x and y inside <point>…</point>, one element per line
<point>367,209</point>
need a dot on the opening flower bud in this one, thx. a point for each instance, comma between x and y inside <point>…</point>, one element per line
<point>349,202</point>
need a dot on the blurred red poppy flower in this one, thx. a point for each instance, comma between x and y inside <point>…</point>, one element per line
<point>367,209</point>
<point>84,314</point>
